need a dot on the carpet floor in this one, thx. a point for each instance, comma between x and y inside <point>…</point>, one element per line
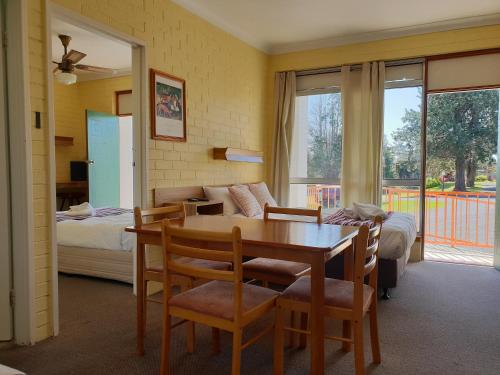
<point>442,319</point>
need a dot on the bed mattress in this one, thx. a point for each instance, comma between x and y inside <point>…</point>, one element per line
<point>98,233</point>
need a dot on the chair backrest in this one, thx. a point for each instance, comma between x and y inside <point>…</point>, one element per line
<point>366,257</point>
<point>291,212</point>
<point>180,242</point>
<point>156,214</point>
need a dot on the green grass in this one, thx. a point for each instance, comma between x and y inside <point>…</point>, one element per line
<point>479,186</point>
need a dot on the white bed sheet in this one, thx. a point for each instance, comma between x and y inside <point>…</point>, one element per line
<point>98,233</point>
<point>398,235</point>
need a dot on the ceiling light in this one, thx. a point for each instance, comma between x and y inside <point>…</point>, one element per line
<point>66,78</point>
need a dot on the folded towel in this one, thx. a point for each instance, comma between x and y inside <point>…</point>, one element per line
<point>84,209</point>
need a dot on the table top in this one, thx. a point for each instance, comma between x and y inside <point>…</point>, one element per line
<point>290,234</point>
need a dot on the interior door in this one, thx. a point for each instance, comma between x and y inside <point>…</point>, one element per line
<point>5,242</point>
<point>103,143</point>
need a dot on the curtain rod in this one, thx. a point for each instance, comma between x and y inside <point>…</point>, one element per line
<point>336,69</point>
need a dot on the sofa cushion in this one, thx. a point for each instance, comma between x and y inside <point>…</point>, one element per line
<point>262,194</point>
<point>245,200</point>
<point>221,193</point>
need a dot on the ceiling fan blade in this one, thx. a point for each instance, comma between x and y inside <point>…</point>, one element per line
<point>55,69</point>
<point>96,69</point>
<point>74,56</point>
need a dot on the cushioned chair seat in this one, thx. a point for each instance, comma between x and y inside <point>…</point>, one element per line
<point>275,266</point>
<point>200,263</point>
<point>338,293</point>
<point>216,298</point>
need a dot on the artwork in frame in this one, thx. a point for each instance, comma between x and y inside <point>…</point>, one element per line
<point>168,107</point>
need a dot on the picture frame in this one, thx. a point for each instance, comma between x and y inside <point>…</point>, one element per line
<point>168,106</point>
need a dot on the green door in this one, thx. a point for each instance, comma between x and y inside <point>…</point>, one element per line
<point>104,159</point>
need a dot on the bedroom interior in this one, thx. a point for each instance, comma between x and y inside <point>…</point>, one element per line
<point>285,182</point>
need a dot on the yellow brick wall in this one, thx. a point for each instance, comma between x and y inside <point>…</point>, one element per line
<point>226,104</point>
<point>70,103</point>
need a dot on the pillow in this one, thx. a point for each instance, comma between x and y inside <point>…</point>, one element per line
<point>262,194</point>
<point>221,194</point>
<point>367,211</point>
<point>245,200</point>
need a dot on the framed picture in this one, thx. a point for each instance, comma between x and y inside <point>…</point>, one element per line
<point>168,106</point>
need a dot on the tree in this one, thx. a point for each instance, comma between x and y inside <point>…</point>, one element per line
<point>463,127</point>
<point>325,137</point>
<point>388,154</point>
<point>407,141</point>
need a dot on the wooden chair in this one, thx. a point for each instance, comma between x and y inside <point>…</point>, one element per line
<point>344,300</point>
<point>277,271</point>
<point>224,303</point>
<point>154,272</point>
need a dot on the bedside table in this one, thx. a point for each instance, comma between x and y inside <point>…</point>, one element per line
<point>204,208</point>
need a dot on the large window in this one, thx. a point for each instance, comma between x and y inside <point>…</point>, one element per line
<point>402,142</point>
<point>317,150</point>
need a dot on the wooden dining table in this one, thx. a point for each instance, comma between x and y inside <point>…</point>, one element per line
<point>309,243</point>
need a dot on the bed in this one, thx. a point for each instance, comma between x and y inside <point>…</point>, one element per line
<point>397,238</point>
<point>97,245</point>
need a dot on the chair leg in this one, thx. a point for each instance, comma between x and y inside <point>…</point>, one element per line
<point>279,341</point>
<point>291,342</point>
<point>375,343</point>
<point>236,358</point>
<point>145,305</point>
<point>216,340</point>
<point>346,333</point>
<point>190,327</point>
<point>304,319</point>
<point>359,355</point>
<point>165,348</point>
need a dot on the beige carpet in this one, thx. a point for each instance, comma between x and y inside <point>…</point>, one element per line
<point>442,319</point>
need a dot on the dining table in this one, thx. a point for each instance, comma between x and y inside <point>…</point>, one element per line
<point>303,242</point>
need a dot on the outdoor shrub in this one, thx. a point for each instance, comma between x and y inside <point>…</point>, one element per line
<point>481,178</point>
<point>431,182</point>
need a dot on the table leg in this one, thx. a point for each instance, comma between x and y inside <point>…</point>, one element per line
<point>140,297</point>
<point>348,275</point>
<point>317,314</point>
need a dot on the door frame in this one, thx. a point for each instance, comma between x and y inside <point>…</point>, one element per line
<point>140,121</point>
<point>426,92</point>
<point>19,124</point>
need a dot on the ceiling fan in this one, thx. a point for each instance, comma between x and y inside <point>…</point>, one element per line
<point>69,63</point>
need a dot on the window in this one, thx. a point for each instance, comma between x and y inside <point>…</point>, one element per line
<point>402,142</point>
<point>316,154</point>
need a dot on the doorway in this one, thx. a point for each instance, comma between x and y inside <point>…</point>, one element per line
<point>94,91</point>
<point>461,169</point>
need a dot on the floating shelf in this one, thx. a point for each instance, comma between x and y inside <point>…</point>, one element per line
<point>236,154</point>
<point>64,141</point>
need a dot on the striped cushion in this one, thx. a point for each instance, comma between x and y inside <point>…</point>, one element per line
<point>262,194</point>
<point>245,200</point>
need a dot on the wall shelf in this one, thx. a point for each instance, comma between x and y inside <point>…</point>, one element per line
<point>64,141</point>
<point>236,154</point>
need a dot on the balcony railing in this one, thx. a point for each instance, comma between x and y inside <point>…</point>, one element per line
<point>451,218</point>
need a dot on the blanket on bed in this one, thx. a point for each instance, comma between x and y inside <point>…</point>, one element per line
<point>99,212</point>
<point>341,218</point>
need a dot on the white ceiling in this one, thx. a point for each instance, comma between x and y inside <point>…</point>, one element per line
<point>279,26</point>
<point>101,51</point>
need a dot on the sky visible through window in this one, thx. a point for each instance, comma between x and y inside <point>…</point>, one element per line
<point>396,101</point>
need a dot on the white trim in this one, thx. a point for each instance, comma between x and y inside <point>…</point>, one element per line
<point>140,121</point>
<point>96,76</point>
<point>200,10</point>
<point>18,93</point>
<point>459,23</point>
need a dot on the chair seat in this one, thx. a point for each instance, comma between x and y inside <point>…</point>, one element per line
<point>338,293</point>
<point>216,298</point>
<point>200,263</point>
<point>276,267</point>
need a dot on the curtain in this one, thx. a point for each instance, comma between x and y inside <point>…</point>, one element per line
<point>362,111</point>
<point>284,114</point>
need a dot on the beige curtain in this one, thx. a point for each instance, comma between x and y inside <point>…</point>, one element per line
<point>362,110</point>
<point>284,113</point>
